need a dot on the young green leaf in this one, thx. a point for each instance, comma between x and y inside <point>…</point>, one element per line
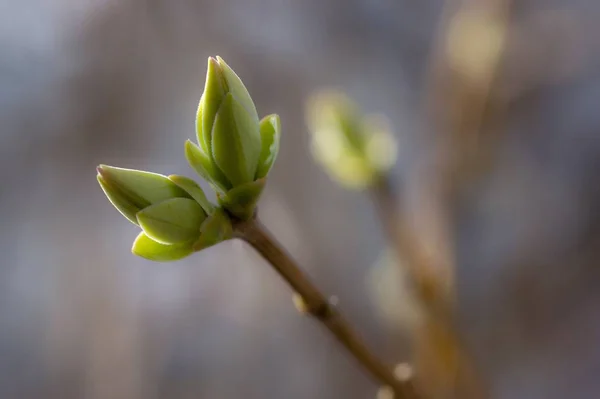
<point>215,229</point>
<point>147,248</point>
<point>236,142</point>
<point>205,167</point>
<point>270,133</point>
<point>215,90</point>
<point>145,187</point>
<point>172,221</point>
<point>237,88</point>
<point>194,190</point>
<point>241,201</point>
<point>119,201</point>
<point>131,190</point>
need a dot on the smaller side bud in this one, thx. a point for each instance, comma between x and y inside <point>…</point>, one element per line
<point>299,303</point>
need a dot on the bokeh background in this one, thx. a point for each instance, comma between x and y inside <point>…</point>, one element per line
<point>117,82</point>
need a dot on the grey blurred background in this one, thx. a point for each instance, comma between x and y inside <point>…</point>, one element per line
<point>117,82</point>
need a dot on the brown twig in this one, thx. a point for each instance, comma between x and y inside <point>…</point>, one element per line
<point>316,304</point>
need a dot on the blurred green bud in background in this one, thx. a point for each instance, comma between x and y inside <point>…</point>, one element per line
<point>236,150</point>
<point>173,212</point>
<point>354,149</point>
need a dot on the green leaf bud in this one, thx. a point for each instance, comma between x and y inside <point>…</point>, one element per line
<point>237,88</point>
<point>205,167</point>
<point>172,221</point>
<point>216,228</point>
<point>270,133</point>
<point>236,142</point>
<point>227,128</point>
<point>235,148</point>
<point>242,200</point>
<point>173,212</point>
<point>215,90</point>
<point>354,150</point>
<point>194,190</point>
<point>133,190</point>
<point>147,248</point>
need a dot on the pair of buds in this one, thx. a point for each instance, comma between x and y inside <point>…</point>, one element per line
<point>235,154</point>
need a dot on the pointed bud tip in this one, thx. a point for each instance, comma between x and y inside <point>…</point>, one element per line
<point>103,172</point>
<point>274,119</point>
<point>108,172</point>
<point>190,147</point>
<point>213,71</point>
<point>213,62</point>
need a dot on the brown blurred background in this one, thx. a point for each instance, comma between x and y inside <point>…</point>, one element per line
<point>117,82</point>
